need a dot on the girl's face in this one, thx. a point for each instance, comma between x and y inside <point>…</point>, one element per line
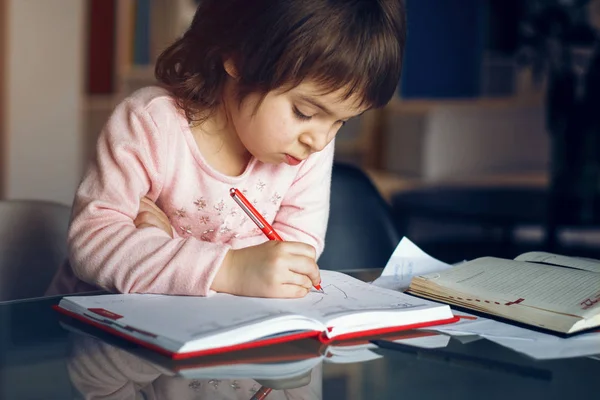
<point>289,126</point>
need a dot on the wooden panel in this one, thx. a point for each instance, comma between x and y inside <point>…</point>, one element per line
<point>101,46</point>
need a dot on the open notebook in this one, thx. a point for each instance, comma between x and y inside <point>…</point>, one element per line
<point>279,361</point>
<point>544,290</point>
<point>186,326</point>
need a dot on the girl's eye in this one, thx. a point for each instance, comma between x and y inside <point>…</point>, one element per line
<point>301,116</point>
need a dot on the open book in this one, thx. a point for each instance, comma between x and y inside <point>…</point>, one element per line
<point>549,291</point>
<point>279,361</point>
<point>186,326</point>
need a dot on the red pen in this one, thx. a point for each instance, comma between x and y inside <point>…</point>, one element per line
<point>261,394</point>
<point>258,219</point>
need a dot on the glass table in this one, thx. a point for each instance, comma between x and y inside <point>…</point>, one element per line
<point>45,356</point>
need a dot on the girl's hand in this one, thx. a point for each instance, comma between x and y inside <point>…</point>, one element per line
<point>271,269</point>
<point>150,215</point>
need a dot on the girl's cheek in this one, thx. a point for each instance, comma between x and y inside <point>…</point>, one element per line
<point>284,122</point>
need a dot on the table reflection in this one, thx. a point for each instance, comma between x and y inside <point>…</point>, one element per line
<point>100,370</point>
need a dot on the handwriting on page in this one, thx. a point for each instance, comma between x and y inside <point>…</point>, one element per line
<point>590,301</point>
<point>540,286</point>
<point>332,289</point>
<point>406,262</point>
<point>343,294</point>
<point>403,269</point>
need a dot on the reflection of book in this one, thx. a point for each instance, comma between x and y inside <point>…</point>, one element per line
<point>553,292</point>
<point>279,361</point>
<point>185,326</point>
<point>293,358</point>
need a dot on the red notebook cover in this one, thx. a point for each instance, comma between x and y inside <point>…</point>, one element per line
<point>321,336</point>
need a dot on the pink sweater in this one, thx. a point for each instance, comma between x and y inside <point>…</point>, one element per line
<point>147,149</point>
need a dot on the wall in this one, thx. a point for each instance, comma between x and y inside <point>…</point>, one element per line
<point>454,140</point>
<point>43,95</point>
<point>3,29</point>
<point>464,142</point>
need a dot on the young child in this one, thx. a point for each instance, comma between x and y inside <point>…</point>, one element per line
<point>251,96</point>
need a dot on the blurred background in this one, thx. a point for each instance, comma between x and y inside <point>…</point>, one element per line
<point>490,147</point>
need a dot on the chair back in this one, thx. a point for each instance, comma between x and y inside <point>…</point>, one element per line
<point>360,232</point>
<point>33,238</point>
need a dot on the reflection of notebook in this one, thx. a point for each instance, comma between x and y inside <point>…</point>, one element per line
<point>308,357</point>
<point>279,361</point>
<point>186,326</point>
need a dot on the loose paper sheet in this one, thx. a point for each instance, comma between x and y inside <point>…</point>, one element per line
<point>407,261</point>
<point>532,343</point>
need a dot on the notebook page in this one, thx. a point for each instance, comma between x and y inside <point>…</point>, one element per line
<point>562,290</point>
<point>549,258</point>
<point>186,318</point>
<point>345,295</point>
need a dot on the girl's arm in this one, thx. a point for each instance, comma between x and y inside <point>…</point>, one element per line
<point>98,370</point>
<point>105,248</point>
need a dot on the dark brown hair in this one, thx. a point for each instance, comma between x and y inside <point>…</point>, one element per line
<point>354,44</point>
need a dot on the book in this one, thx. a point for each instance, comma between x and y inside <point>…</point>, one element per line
<point>189,326</point>
<point>556,293</point>
<point>277,362</point>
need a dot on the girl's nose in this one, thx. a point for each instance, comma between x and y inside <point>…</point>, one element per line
<point>315,140</point>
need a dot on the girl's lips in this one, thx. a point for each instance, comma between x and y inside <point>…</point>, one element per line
<point>292,160</point>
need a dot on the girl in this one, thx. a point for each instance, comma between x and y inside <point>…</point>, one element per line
<point>251,97</point>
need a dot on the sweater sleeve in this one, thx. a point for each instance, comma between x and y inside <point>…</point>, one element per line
<point>105,248</point>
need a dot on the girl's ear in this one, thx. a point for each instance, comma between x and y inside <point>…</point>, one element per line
<point>231,69</point>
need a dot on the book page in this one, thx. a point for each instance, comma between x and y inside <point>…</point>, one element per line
<point>586,264</point>
<point>563,290</point>
<point>344,294</point>
<point>179,318</point>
